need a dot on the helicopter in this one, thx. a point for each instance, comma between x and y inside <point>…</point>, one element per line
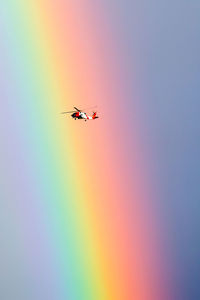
<point>79,114</point>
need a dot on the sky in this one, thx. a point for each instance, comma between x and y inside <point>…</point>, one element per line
<point>107,209</point>
<point>167,56</point>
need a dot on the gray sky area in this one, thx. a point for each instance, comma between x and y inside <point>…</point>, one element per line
<point>162,44</point>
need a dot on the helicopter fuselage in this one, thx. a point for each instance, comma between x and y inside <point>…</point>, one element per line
<point>80,115</point>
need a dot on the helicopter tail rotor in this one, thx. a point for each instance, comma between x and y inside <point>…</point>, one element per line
<point>94,116</point>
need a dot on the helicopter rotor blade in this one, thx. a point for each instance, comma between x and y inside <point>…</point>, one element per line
<point>68,112</point>
<point>77,109</point>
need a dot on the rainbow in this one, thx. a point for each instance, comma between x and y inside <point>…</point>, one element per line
<point>81,195</point>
